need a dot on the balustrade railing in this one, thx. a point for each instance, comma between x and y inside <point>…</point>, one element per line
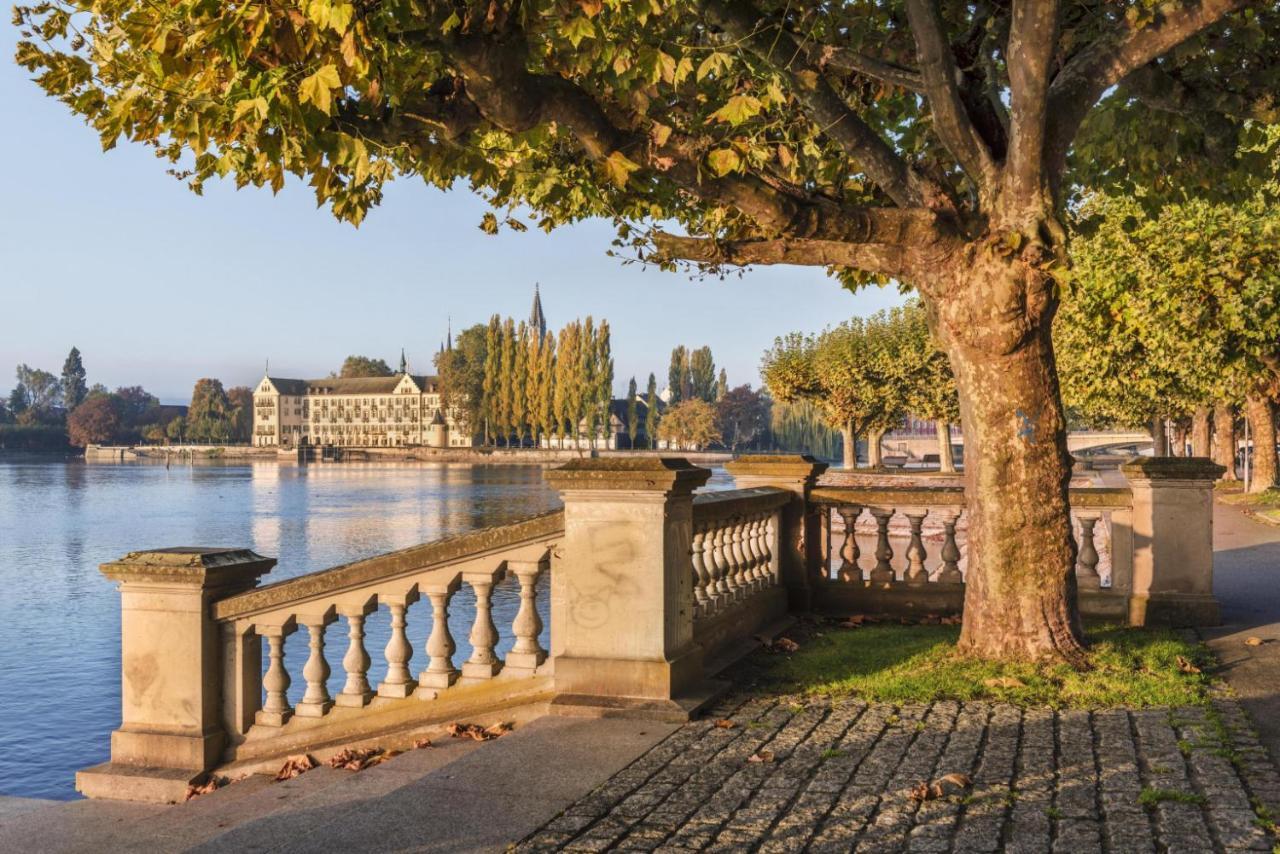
<point>735,547</point>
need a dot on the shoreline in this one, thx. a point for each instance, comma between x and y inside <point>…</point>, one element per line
<point>487,456</point>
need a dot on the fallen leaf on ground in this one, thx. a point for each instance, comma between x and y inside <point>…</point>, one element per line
<point>1253,641</point>
<point>761,756</point>
<point>1004,682</point>
<point>212,784</point>
<point>1186,666</point>
<point>853,622</point>
<point>477,732</point>
<point>295,765</point>
<point>931,620</point>
<point>785,645</point>
<point>950,784</point>
<point>725,724</point>
<point>953,620</point>
<point>421,743</point>
<point>355,758</point>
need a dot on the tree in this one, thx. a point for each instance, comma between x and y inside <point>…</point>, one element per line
<point>770,133</point>
<point>520,383</point>
<point>492,377</point>
<point>1172,312</point>
<point>722,384</point>
<point>801,426</point>
<point>651,416</point>
<point>690,424</point>
<point>931,388</point>
<point>545,411</point>
<point>602,374</point>
<point>42,391</point>
<point>97,421</point>
<point>18,399</point>
<point>462,377</point>
<point>207,416</point>
<point>137,404</point>
<point>74,387</point>
<point>679,379</point>
<point>240,401</point>
<point>363,366</point>
<point>742,416</point>
<point>702,374</point>
<point>633,413</point>
<point>176,429</point>
<point>566,408</point>
<point>504,405</point>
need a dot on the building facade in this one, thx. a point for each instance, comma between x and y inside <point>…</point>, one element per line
<point>367,412</point>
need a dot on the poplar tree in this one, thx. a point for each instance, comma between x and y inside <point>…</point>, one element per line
<point>520,384</point>
<point>566,374</point>
<point>677,375</point>
<point>74,388</point>
<point>584,392</point>
<point>506,380</point>
<point>546,396</point>
<point>702,374</point>
<point>633,413</point>
<point>651,412</point>
<point>722,385</point>
<point>492,372</point>
<point>602,372</point>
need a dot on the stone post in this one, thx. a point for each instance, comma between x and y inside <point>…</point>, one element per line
<point>171,670</point>
<point>801,536</point>
<point>1172,536</point>
<point>622,588</point>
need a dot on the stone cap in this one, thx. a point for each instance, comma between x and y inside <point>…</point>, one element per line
<point>191,565</point>
<point>629,474</point>
<point>802,466</point>
<point>1172,468</point>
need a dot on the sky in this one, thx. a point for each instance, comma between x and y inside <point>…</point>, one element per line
<point>158,287</point>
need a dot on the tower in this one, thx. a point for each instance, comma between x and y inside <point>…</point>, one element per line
<point>537,320</point>
<point>404,365</point>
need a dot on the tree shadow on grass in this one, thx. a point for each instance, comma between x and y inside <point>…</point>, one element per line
<point>1130,668</point>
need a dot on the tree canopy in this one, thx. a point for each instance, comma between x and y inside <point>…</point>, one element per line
<point>364,366</point>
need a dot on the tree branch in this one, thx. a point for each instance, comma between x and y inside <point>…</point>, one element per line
<point>1033,38</point>
<point>826,108</point>
<point>848,61</point>
<point>950,117</point>
<point>888,260</point>
<point>1108,61</point>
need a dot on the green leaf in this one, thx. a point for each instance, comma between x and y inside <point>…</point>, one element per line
<point>256,105</point>
<point>578,28</point>
<point>451,23</point>
<point>618,168</point>
<point>316,88</point>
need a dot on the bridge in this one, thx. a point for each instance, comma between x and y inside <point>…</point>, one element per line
<point>916,446</point>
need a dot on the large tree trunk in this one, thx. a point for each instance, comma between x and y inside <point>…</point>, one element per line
<point>1200,432</point>
<point>946,459</point>
<point>850,451</point>
<point>1179,445</point>
<point>875,459</point>
<point>1224,439</point>
<point>1262,424</point>
<point>1020,590</point>
<point>1159,438</point>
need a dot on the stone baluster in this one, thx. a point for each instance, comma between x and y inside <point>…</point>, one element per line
<point>724,552</point>
<point>399,683</point>
<point>356,693</point>
<point>716,589</point>
<point>1087,577</point>
<point>527,653</point>
<point>916,573</point>
<point>440,672</point>
<point>743,556</point>
<point>950,572</point>
<point>316,701</point>
<point>771,563</point>
<point>701,577</point>
<point>275,709</point>
<point>483,663</point>
<point>758,576</point>
<point>883,574</point>
<point>849,552</point>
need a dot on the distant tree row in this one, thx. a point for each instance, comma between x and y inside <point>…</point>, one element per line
<point>692,376</point>
<point>866,376</point>
<point>503,381</point>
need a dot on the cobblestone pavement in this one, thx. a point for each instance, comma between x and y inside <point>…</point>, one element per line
<point>840,773</point>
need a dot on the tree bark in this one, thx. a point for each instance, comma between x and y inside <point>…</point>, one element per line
<point>1020,588</point>
<point>946,459</point>
<point>1200,432</point>
<point>875,459</point>
<point>1224,439</point>
<point>850,442</point>
<point>1262,423</point>
<point>1178,447</point>
<point>1159,439</point>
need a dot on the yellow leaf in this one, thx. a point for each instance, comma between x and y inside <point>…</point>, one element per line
<point>723,161</point>
<point>257,105</point>
<point>716,62</point>
<point>659,133</point>
<point>618,168</point>
<point>316,88</point>
<point>738,109</point>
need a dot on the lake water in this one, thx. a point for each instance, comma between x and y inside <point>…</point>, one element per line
<point>60,619</point>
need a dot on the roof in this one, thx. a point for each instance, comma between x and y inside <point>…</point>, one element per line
<point>351,385</point>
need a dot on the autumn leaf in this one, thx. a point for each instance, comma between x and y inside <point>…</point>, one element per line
<point>618,167</point>
<point>1253,641</point>
<point>723,161</point>
<point>761,756</point>
<point>725,724</point>
<point>422,743</point>
<point>1186,666</point>
<point>316,88</point>
<point>738,109</point>
<point>295,765</point>
<point>577,29</point>
<point>785,645</point>
<point>476,732</point>
<point>715,63</point>
<point>591,8</point>
<point>1004,682</point>
<point>212,784</point>
<point>356,759</point>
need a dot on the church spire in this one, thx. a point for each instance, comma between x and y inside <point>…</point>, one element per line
<point>537,320</point>
<point>449,338</point>
<point>404,365</point>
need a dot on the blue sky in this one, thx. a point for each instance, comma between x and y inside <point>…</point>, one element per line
<point>159,287</point>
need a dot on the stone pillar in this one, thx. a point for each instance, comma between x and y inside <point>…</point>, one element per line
<point>1172,536</point>
<point>622,587</point>
<point>801,536</point>
<point>171,670</point>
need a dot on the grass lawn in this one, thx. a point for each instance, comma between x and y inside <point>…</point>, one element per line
<point>1133,668</point>
<point>1264,505</point>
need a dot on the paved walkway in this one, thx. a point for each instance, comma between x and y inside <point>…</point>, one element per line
<point>1247,583</point>
<point>839,777</point>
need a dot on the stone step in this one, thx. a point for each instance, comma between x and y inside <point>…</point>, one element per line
<point>461,795</point>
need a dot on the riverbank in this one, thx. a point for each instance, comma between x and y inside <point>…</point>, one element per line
<point>483,456</point>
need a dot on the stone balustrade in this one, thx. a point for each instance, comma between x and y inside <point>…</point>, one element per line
<point>651,590</point>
